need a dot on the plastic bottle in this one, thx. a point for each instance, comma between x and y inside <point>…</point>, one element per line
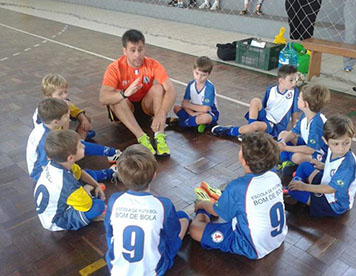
<point>288,56</point>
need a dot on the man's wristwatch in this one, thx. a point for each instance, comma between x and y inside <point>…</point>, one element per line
<point>122,92</point>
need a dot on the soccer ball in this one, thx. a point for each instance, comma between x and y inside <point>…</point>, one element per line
<point>300,79</point>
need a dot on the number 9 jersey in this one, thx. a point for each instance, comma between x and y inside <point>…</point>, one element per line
<point>142,233</point>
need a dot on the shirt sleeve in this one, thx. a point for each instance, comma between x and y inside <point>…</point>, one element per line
<point>160,74</point>
<point>315,140</point>
<point>80,200</point>
<point>187,92</point>
<point>266,96</point>
<point>171,228</point>
<point>112,76</point>
<point>74,111</point>
<point>225,203</point>
<point>344,176</point>
<point>209,97</point>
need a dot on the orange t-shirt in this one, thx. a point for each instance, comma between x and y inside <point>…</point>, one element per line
<point>120,75</point>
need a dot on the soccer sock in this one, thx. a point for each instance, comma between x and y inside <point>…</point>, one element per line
<point>202,211</point>
<point>96,209</point>
<point>304,170</point>
<point>234,131</point>
<point>190,122</point>
<point>101,175</point>
<point>301,196</point>
<point>250,121</point>
<point>182,114</point>
<point>97,150</point>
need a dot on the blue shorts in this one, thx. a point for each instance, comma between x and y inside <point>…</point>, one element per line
<point>262,118</point>
<point>320,207</point>
<point>221,236</point>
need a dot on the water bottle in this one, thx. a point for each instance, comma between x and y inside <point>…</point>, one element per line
<point>288,56</point>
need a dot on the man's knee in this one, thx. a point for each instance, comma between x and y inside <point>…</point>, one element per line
<point>156,90</point>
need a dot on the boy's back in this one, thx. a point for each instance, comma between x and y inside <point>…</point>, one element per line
<point>142,234</point>
<point>54,190</point>
<point>254,205</point>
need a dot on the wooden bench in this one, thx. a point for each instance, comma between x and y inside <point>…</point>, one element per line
<point>319,46</point>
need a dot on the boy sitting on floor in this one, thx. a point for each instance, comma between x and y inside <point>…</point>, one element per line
<point>252,205</point>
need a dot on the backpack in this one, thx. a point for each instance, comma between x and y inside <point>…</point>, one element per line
<point>226,51</point>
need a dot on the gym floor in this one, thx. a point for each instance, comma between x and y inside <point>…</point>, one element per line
<point>30,48</point>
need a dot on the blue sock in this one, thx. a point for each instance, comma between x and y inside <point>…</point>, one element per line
<point>202,211</point>
<point>182,114</point>
<point>97,150</point>
<point>96,209</point>
<point>284,156</point>
<point>250,121</point>
<point>101,175</point>
<point>301,196</point>
<point>304,170</point>
<point>190,122</point>
<point>234,131</point>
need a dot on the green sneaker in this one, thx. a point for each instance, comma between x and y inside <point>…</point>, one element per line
<point>284,165</point>
<point>161,145</point>
<point>144,140</point>
<point>201,128</point>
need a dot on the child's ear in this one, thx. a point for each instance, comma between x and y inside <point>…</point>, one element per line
<point>154,175</point>
<point>326,142</point>
<point>70,158</point>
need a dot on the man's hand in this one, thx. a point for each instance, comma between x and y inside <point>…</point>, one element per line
<point>159,121</point>
<point>99,192</point>
<point>133,88</point>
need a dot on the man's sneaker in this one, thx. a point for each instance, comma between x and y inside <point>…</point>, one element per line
<point>202,195</point>
<point>115,157</point>
<point>347,68</point>
<point>258,12</point>
<point>115,176</point>
<point>180,5</point>
<point>243,12</point>
<point>221,130</point>
<point>205,5</point>
<point>162,148</point>
<point>90,135</point>
<point>172,122</point>
<point>144,140</point>
<point>215,6</point>
<point>214,193</point>
<point>201,128</point>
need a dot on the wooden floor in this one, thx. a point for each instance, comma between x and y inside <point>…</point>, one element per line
<point>313,246</point>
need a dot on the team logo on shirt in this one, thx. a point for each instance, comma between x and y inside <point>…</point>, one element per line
<point>289,95</point>
<point>206,101</point>
<point>137,72</point>
<point>312,141</point>
<point>217,237</point>
<point>146,79</point>
<point>340,182</point>
<point>332,172</point>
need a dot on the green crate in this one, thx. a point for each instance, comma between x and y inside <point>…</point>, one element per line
<point>262,58</point>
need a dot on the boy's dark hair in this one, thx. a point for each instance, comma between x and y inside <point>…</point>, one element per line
<point>133,36</point>
<point>260,151</point>
<point>60,144</point>
<point>337,126</point>
<point>204,64</point>
<point>52,109</point>
<point>317,96</point>
<point>285,71</point>
<point>137,167</point>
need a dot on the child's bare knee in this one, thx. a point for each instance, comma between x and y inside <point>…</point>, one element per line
<point>256,102</point>
<point>177,108</point>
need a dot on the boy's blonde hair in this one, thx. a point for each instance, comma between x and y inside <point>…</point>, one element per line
<point>60,144</point>
<point>52,109</point>
<point>51,82</point>
<point>337,126</point>
<point>204,64</point>
<point>260,151</point>
<point>137,167</point>
<point>317,96</point>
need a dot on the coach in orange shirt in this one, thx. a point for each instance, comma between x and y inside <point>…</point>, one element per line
<point>128,84</point>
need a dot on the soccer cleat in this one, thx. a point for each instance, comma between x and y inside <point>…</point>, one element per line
<point>172,122</point>
<point>347,68</point>
<point>202,195</point>
<point>90,135</point>
<point>115,176</point>
<point>144,140</point>
<point>243,12</point>
<point>115,157</point>
<point>221,130</point>
<point>201,128</point>
<point>285,164</point>
<point>162,148</point>
<point>205,5</point>
<point>215,6</point>
<point>285,191</point>
<point>214,193</point>
<point>239,138</point>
